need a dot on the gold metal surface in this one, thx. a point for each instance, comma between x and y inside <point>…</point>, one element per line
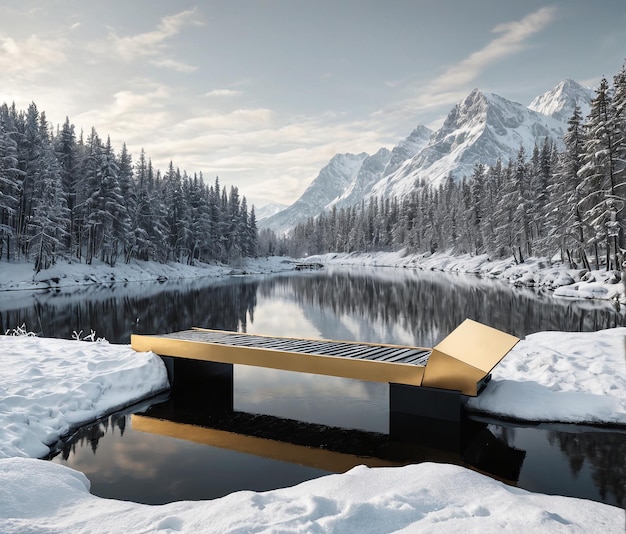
<point>459,362</point>
<point>466,356</point>
<point>370,370</point>
<point>336,462</point>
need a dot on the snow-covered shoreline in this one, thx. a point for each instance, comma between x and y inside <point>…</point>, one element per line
<point>16,276</point>
<point>539,273</point>
<point>534,272</point>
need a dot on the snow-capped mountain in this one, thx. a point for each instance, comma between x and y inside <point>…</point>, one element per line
<point>408,148</point>
<point>332,182</point>
<point>369,173</point>
<point>484,127</point>
<point>363,172</point>
<point>481,128</point>
<point>268,210</point>
<point>559,102</point>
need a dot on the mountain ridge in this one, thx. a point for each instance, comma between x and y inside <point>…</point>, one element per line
<point>483,127</point>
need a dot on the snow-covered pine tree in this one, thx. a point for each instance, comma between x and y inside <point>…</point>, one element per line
<point>601,201</point>
<point>564,218</point>
<point>49,218</point>
<point>10,182</point>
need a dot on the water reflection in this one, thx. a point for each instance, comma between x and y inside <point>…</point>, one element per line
<point>117,312</point>
<point>377,305</point>
<point>421,308</point>
<point>170,452</point>
<point>602,454</point>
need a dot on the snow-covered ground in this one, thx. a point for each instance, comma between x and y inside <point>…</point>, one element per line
<point>48,386</point>
<point>38,496</point>
<point>21,276</point>
<point>561,376</point>
<point>534,272</point>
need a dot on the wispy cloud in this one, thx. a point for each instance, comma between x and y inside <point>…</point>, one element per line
<point>32,55</point>
<point>266,151</point>
<point>454,83</point>
<point>513,38</point>
<point>130,112</point>
<point>223,93</point>
<point>166,63</point>
<point>151,43</point>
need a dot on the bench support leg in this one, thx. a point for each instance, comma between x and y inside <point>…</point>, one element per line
<point>201,385</point>
<point>429,416</point>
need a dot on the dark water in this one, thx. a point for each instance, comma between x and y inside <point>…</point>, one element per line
<point>282,428</point>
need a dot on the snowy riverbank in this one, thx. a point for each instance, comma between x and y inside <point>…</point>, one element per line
<point>534,272</point>
<point>48,386</point>
<point>21,276</point>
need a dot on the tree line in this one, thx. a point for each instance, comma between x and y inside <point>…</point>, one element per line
<point>569,201</point>
<point>63,196</point>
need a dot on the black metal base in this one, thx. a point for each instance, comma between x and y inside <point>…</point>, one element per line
<point>428,416</point>
<point>197,383</point>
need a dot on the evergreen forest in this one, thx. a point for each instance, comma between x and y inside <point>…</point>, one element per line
<point>63,196</point>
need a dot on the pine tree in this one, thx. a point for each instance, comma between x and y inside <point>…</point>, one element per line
<point>49,218</point>
<point>10,179</point>
<point>564,214</point>
<point>601,204</point>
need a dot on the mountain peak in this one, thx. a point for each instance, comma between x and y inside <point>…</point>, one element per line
<point>560,101</point>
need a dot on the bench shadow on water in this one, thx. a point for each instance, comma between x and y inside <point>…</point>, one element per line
<point>281,428</point>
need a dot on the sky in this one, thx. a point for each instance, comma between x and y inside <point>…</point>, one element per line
<point>262,93</point>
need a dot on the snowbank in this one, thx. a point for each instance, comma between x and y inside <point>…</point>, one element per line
<point>49,386</point>
<point>534,272</point>
<point>561,376</point>
<point>16,276</point>
<point>37,496</point>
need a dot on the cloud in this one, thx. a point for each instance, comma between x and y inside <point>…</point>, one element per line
<point>130,113</point>
<point>513,38</point>
<point>454,83</point>
<point>240,120</point>
<point>260,150</point>
<point>152,43</point>
<point>165,63</point>
<point>223,92</point>
<point>31,56</point>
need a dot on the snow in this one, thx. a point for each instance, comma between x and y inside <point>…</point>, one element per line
<point>554,376</point>
<point>417,498</point>
<point>560,101</point>
<point>534,272</point>
<point>331,182</point>
<point>49,386</point>
<point>21,276</point>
